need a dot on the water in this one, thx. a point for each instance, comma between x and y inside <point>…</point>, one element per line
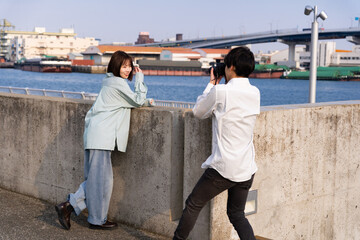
<point>185,89</point>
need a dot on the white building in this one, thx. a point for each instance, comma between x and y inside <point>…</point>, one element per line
<point>328,56</point>
<point>209,56</point>
<point>181,54</point>
<point>346,58</point>
<point>75,56</point>
<point>279,57</point>
<point>39,43</point>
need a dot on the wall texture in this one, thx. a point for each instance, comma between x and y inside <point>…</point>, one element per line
<point>307,155</point>
<point>308,178</point>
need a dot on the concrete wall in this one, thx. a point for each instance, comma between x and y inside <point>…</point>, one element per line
<point>308,159</point>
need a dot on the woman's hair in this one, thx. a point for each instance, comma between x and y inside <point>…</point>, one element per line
<point>242,59</point>
<point>117,60</point>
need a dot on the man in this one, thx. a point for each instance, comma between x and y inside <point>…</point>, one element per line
<point>231,165</point>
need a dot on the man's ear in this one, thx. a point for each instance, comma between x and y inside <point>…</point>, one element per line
<point>232,68</point>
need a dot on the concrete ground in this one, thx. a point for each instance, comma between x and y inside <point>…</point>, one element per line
<point>23,217</point>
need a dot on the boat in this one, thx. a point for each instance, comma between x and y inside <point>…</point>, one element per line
<point>171,68</point>
<point>328,73</point>
<point>51,64</point>
<point>268,71</point>
<point>6,64</point>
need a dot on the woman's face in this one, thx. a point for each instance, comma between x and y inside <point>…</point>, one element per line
<point>125,69</point>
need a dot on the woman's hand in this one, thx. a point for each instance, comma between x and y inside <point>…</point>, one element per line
<point>214,80</point>
<point>137,69</point>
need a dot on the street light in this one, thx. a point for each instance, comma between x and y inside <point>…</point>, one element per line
<point>313,50</point>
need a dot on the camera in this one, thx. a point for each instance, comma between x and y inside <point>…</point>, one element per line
<point>135,64</point>
<point>219,69</point>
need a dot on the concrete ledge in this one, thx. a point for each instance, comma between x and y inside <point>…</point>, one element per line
<point>308,159</point>
<point>43,157</point>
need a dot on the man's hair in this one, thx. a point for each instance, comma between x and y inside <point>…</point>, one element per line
<point>117,60</point>
<point>242,59</point>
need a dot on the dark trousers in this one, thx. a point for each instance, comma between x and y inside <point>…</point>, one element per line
<point>209,185</point>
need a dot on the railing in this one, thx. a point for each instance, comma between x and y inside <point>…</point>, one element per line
<point>83,95</point>
<point>49,93</point>
<point>174,104</point>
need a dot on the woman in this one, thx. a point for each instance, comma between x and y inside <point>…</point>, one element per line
<point>106,126</point>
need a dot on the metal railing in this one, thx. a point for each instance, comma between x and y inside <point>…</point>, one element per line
<point>174,104</point>
<point>83,95</point>
<point>49,93</point>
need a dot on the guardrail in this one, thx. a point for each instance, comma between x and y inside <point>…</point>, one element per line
<point>49,93</point>
<point>83,95</point>
<point>174,104</point>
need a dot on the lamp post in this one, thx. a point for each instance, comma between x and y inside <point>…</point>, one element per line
<point>313,50</point>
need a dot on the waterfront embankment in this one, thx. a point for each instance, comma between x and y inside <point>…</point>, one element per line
<point>307,155</point>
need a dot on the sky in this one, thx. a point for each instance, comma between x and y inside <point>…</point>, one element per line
<point>121,21</point>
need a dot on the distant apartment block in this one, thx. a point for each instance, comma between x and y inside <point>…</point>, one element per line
<point>39,43</point>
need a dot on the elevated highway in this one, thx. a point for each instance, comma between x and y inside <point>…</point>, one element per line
<point>291,37</point>
<point>285,36</point>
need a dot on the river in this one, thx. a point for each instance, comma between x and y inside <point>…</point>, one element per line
<point>185,88</point>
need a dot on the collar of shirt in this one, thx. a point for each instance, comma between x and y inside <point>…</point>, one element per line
<point>239,81</point>
<point>111,80</point>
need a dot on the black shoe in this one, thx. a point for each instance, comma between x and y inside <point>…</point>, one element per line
<point>106,226</point>
<point>64,211</point>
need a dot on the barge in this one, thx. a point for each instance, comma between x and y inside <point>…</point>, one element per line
<point>268,71</point>
<point>328,73</point>
<point>55,65</point>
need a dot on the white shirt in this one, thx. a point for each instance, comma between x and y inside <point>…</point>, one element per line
<point>234,107</point>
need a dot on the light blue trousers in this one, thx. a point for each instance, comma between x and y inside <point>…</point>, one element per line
<point>95,192</point>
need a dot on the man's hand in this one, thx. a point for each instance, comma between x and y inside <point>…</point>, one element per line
<point>214,80</point>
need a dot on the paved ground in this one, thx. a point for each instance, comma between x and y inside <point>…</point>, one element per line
<point>23,217</point>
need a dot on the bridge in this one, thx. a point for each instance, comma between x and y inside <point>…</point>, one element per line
<point>291,37</point>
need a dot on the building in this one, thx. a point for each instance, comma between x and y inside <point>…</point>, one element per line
<point>101,54</point>
<point>346,58</point>
<point>329,56</point>
<point>171,68</point>
<point>144,38</point>
<point>160,60</point>
<point>39,43</point>
<point>75,56</point>
<point>5,26</point>
<point>279,57</point>
<point>179,54</point>
<point>209,56</point>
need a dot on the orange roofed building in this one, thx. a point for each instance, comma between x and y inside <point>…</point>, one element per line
<point>101,54</point>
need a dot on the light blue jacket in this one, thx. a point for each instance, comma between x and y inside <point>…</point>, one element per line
<point>107,122</point>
